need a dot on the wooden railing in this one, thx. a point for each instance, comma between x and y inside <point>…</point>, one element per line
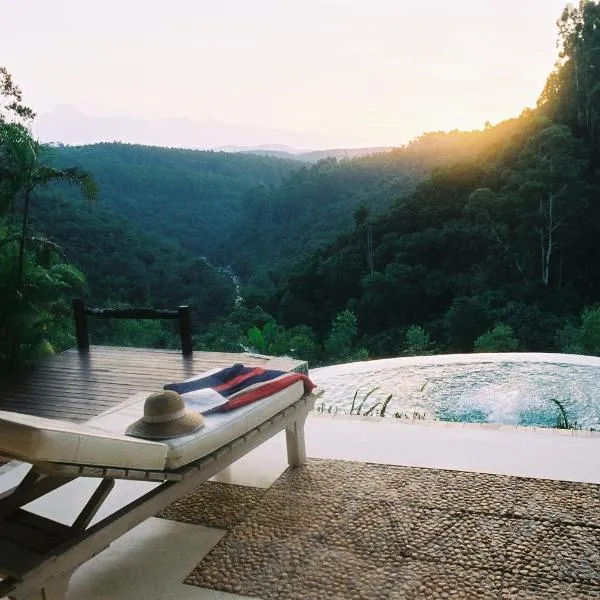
<point>182,314</point>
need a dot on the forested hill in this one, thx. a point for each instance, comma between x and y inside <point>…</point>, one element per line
<point>125,265</point>
<point>508,236</point>
<point>280,225</point>
<point>160,211</point>
<point>256,213</point>
<point>190,197</point>
<point>497,252</point>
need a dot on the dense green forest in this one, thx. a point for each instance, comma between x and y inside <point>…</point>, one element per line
<point>250,212</point>
<point>160,212</point>
<point>277,226</point>
<point>496,252</point>
<point>187,196</point>
<point>456,242</point>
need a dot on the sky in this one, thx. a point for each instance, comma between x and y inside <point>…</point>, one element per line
<point>346,72</point>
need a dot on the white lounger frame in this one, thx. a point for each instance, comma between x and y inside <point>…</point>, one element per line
<point>45,576</point>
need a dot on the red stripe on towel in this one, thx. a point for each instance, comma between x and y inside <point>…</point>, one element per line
<point>266,389</point>
<point>239,379</point>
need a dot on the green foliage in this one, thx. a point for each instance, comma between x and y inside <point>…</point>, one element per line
<point>126,266</point>
<point>272,339</point>
<point>303,344</point>
<point>569,339</point>
<point>362,402</point>
<point>252,329</point>
<point>499,339</point>
<point>194,198</point>
<point>582,339</point>
<point>162,211</point>
<point>36,285</point>
<point>133,332</point>
<point>39,319</point>
<point>339,344</point>
<point>572,91</point>
<point>327,198</point>
<point>417,341</point>
<point>360,407</point>
<point>466,320</point>
<point>11,100</point>
<point>506,236</point>
<point>23,170</point>
<point>562,420</point>
<point>256,340</point>
<point>590,331</point>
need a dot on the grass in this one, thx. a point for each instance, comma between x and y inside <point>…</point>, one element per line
<point>562,420</point>
<point>377,409</point>
<point>362,407</point>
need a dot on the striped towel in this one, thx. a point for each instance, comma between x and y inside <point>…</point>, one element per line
<point>234,387</point>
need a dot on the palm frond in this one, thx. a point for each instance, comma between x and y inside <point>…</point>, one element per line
<point>76,176</point>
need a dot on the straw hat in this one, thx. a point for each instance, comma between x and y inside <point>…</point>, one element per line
<point>165,416</point>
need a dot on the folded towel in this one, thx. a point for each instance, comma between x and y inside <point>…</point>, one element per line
<point>235,386</point>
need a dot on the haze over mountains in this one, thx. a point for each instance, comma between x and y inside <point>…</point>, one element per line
<point>70,126</point>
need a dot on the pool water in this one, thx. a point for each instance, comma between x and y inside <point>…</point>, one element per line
<point>512,388</point>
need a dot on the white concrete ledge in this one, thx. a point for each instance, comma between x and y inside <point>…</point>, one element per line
<point>520,451</point>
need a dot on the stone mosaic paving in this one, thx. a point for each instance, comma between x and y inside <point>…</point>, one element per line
<point>214,504</point>
<point>335,529</point>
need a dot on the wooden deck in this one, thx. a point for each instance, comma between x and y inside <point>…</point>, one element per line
<point>77,386</point>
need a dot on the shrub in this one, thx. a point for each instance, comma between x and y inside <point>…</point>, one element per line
<point>499,339</point>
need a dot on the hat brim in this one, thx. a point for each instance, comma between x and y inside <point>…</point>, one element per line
<point>190,422</point>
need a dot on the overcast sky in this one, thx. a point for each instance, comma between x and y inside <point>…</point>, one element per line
<point>356,72</point>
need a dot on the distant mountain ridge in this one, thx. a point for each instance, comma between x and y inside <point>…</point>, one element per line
<point>70,126</point>
<point>311,156</point>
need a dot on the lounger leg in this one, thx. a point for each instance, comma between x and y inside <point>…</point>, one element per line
<point>54,588</point>
<point>296,447</point>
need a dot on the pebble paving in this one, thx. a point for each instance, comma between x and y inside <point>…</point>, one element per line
<point>214,504</point>
<point>344,530</point>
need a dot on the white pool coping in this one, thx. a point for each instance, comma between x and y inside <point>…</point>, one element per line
<point>355,368</point>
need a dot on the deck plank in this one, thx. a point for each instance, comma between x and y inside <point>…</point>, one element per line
<point>77,386</point>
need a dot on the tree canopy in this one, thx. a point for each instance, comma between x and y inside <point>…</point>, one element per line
<point>459,241</point>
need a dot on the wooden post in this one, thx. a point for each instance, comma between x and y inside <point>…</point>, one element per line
<point>185,330</point>
<point>81,330</point>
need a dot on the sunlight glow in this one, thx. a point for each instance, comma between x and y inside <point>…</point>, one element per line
<point>339,72</point>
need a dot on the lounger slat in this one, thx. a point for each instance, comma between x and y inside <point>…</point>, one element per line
<point>28,537</point>
<point>16,560</point>
<point>41,523</point>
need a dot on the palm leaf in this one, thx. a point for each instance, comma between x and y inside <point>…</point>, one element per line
<point>39,240</point>
<point>76,176</point>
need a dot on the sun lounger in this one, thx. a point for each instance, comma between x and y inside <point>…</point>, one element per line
<point>38,555</point>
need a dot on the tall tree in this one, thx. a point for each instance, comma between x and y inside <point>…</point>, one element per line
<point>572,92</point>
<point>24,168</point>
<point>11,100</point>
<point>549,180</point>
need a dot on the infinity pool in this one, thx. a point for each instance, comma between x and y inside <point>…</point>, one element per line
<point>512,388</point>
